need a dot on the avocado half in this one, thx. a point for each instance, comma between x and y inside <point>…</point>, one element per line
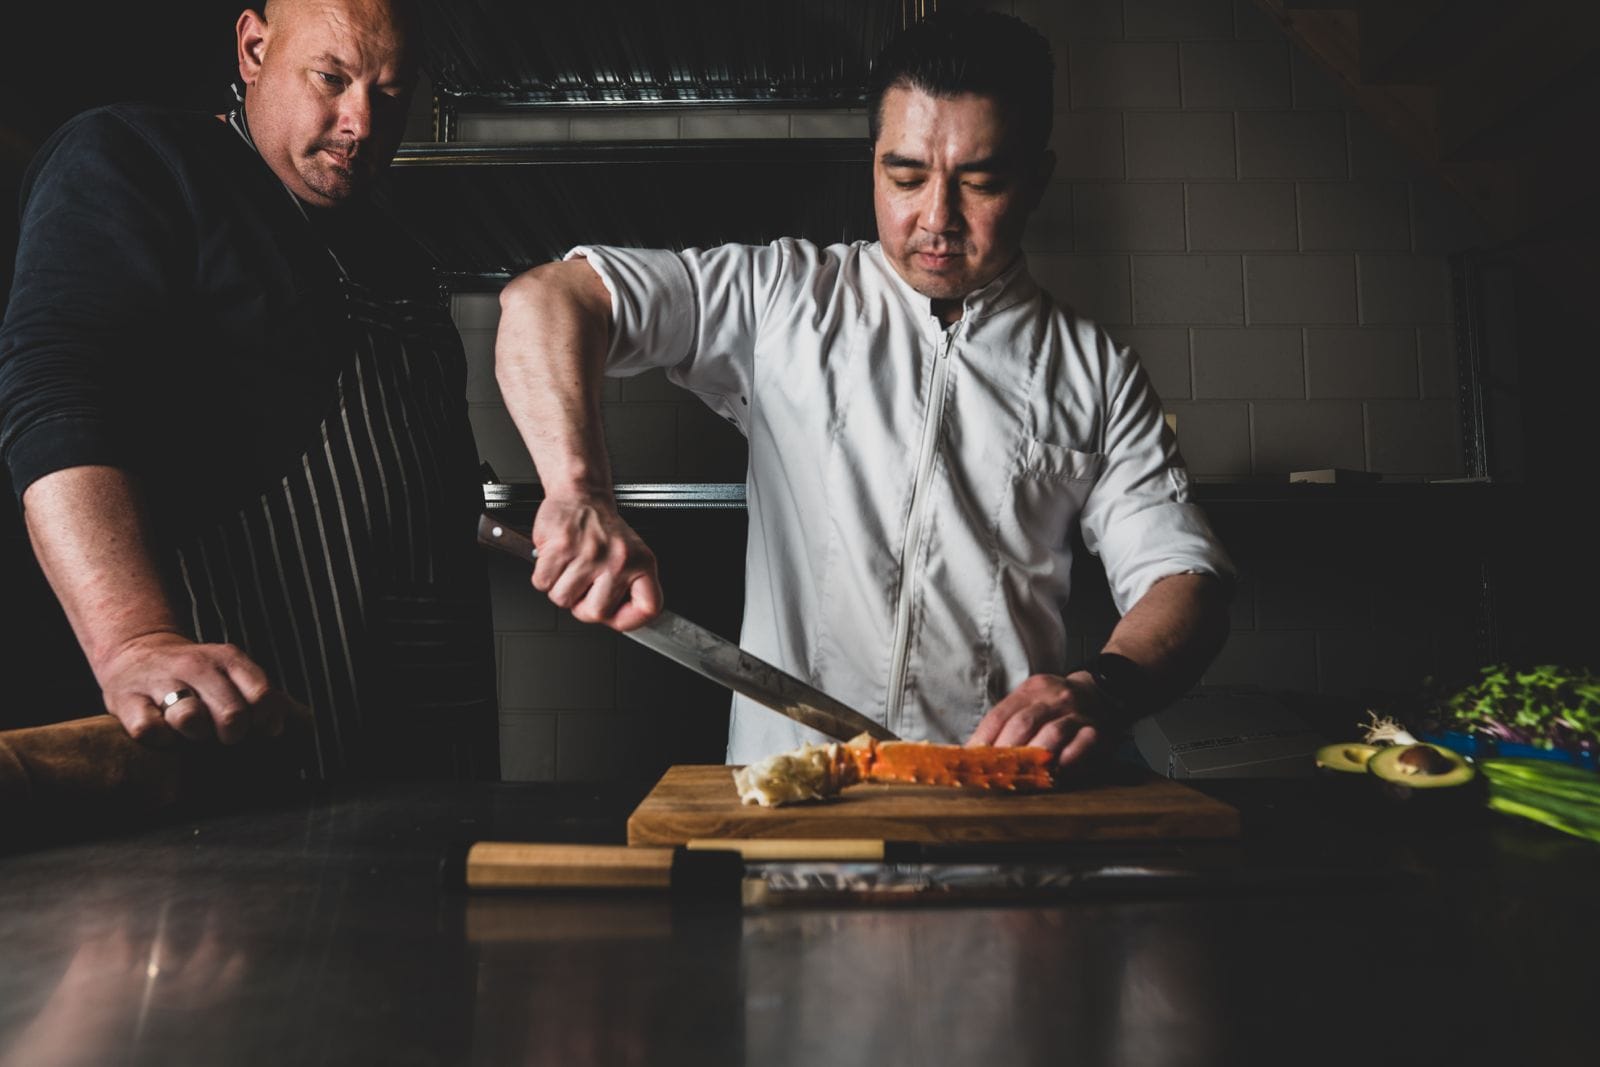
<point>1421,766</point>
<point>1349,757</point>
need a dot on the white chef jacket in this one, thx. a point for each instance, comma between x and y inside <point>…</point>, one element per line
<point>911,488</point>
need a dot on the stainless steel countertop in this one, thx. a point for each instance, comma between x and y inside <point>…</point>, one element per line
<point>315,930</point>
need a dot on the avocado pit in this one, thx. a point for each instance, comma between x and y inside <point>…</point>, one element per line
<point>1421,766</point>
<point>1423,759</point>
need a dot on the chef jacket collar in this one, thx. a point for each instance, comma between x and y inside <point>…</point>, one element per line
<point>1011,287</point>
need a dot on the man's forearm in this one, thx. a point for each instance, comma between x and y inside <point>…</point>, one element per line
<point>1174,632</point>
<point>86,528</point>
<point>549,358</point>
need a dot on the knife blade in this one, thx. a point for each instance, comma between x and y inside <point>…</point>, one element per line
<point>719,659</point>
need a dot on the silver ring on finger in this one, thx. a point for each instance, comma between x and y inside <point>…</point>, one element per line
<point>175,696</point>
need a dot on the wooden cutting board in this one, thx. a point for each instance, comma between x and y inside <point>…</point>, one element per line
<point>696,801</point>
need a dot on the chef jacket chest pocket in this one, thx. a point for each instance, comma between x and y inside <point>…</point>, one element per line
<point>1057,463</point>
<point>1048,490</point>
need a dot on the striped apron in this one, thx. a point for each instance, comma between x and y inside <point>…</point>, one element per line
<point>355,581</point>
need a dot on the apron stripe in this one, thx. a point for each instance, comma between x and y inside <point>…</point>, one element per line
<point>367,593</point>
<point>404,491</point>
<point>425,485</point>
<point>372,451</point>
<point>326,557</point>
<point>316,623</point>
<point>287,607</point>
<point>360,480</point>
<point>344,526</point>
<point>274,665</point>
<point>226,637</point>
<point>237,600</point>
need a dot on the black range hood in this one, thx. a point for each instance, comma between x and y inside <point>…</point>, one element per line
<point>509,52</point>
<point>485,212</point>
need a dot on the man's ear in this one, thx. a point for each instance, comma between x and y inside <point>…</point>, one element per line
<point>251,33</point>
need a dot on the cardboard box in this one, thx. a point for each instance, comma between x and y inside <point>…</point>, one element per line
<point>1228,733</point>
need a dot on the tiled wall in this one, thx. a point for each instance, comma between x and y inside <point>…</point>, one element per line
<point>1218,205</point>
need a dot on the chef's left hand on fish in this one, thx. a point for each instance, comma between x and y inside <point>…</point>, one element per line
<point>1050,711</point>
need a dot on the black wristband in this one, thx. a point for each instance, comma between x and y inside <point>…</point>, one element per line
<point>1125,685</point>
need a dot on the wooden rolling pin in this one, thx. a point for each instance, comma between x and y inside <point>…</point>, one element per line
<point>67,771</point>
<point>88,772</point>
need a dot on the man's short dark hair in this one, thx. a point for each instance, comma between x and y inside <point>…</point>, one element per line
<point>982,52</point>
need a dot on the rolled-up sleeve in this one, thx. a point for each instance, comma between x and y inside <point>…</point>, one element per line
<point>1140,518</point>
<point>696,313</point>
<point>103,233</point>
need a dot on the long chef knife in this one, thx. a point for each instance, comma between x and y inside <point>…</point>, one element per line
<point>719,659</point>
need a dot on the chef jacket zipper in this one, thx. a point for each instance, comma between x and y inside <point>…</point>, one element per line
<point>901,650</point>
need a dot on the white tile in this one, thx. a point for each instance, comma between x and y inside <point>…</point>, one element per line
<point>1376,155</point>
<point>1128,217</point>
<point>1088,145</point>
<point>1352,663</point>
<point>1315,593</point>
<point>1187,290</point>
<point>1292,144</point>
<point>1270,659</point>
<point>512,127</point>
<point>499,444</point>
<point>475,311</point>
<point>1163,352</point>
<point>1242,217</point>
<point>1355,216</point>
<point>1062,21</point>
<point>518,606</point>
<point>1307,436</point>
<point>479,348</point>
<point>527,746</point>
<point>1361,363</point>
<point>558,670</point>
<point>1251,23</point>
<point>627,126</point>
<point>1180,144</point>
<point>1131,75</point>
<point>1405,290</point>
<point>1316,87</point>
<point>1050,225</point>
<point>642,441</point>
<point>1095,286</point>
<point>1214,438</point>
<point>822,124</point>
<point>611,746</point>
<point>1301,289</point>
<point>1182,20</point>
<point>1236,74</point>
<point>1248,364</point>
<point>726,124</point>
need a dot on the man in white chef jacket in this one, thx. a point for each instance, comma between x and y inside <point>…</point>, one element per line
<point>926,426</point>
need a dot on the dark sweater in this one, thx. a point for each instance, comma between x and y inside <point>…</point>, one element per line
<point>173,313</point>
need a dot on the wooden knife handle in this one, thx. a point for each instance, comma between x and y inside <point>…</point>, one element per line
<point>525,865</point>
<point>496,534</point>
<point>518,865</point>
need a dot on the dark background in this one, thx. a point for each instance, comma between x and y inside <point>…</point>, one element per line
<point>68,57</point>
<point>60,59</point>
<point>65,57</point>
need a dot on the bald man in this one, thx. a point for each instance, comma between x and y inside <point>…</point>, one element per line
<point>232,403</point>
